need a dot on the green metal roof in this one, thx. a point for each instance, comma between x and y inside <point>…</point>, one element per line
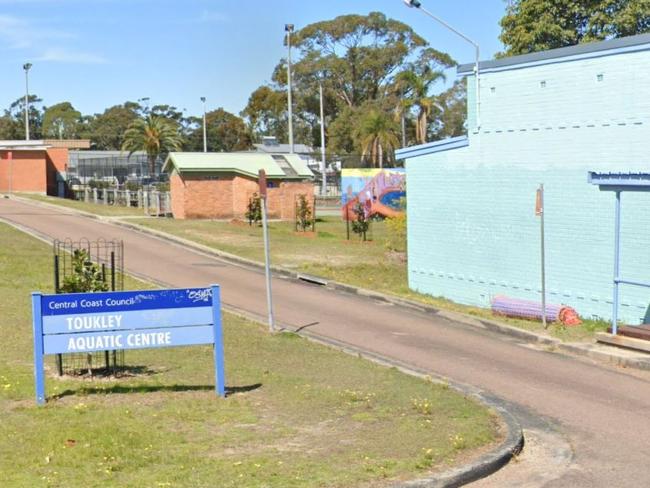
<point>247,164</point>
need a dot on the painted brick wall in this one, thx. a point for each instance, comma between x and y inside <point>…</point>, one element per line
<point>472,232</point>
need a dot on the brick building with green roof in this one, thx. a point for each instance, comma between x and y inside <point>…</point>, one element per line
<point>220,185</point>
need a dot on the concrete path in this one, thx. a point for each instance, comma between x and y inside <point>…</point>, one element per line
<point>590,423</point>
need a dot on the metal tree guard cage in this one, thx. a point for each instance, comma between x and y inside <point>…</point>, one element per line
<point>108,256</point>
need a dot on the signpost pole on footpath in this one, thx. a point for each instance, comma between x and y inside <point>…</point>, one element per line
<point>539,211</point>
<point>267,257</point>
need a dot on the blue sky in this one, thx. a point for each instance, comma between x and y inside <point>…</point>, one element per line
<point>98,53</point>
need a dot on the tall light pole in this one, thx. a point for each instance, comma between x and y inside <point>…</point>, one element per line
<point>417,4</point>
<point>205,135</point>
<point>323,166</point>
<point>288,28</point>
<point>26,67</point>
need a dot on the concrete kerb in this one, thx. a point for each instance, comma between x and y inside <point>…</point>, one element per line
<point>476,469</point>
<point>578,349</point>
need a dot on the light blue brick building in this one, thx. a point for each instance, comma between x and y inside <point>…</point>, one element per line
<point>550,118</point>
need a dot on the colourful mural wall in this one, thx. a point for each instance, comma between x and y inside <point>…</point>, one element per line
<point>379,191</point>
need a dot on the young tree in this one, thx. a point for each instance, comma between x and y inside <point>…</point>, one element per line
<point>154,135</point>
<point>536,25</point>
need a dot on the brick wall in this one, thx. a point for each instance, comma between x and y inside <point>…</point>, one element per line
<point>28,172</point>
<point>177,191</point>
<point>472,232</point>
<point>228,197</point>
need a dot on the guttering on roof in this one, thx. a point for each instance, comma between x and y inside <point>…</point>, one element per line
<point>639,42</point>
<point>432,147</point>
<point>620,181</point>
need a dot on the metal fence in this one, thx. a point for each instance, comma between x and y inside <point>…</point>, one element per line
<point>153,202</point>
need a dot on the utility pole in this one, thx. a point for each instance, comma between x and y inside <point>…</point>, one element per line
<point>205,135</point>
<point>289,29</point>
<point>323,165</point>
<point>26,67</point>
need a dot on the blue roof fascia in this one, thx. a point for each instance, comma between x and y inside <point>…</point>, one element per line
<point>564,54</point>
<point>432,147</point>
<point>620,181</point>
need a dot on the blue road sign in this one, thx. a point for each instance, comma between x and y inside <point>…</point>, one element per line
<point>88,322</point>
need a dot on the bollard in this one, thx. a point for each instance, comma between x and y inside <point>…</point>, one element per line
<point>105,196</point>
<point>128,198</point>
<point>140,198</point>
<point>95,196</point>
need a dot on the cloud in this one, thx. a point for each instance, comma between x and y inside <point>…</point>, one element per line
<point>63,55</point>
<point>21,34</point>
<point>213,16</point>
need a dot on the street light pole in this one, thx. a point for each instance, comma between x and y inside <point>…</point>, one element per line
<point>289,29</point>
<point>26,67</point>
<point>323,165</point>
<point>417,4</point>
<point>205,135</point>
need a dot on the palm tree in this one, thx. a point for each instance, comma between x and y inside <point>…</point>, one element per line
<point>155,135</point>
<point>377,133</point>
<point>414,88</point>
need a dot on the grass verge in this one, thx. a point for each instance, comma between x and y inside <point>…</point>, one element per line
<point>298,414</point>
<point>97,209</point>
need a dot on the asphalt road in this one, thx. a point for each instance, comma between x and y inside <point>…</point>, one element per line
<point>602,413</point>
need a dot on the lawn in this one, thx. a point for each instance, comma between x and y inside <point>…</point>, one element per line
<point>97,209</point>
<point>298,414</point>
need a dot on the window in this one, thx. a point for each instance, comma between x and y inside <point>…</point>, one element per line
<point>600,77</point>
<point>542,84</point>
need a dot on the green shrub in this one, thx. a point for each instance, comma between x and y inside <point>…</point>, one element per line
<point>86,276</point>
<point>396,233</point>
<point>304,215</point>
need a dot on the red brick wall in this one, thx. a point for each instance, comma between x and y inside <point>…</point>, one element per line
<point>28,172</point>
<point>177,190</point>
<point>243,189</point>
<point>228,196</point>
<point>282,199</point>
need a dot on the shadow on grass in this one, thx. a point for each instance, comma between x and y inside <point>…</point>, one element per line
<point>124,389</point>
<point>111,372</point>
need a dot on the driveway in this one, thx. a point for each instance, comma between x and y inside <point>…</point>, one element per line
<point>600,413</point>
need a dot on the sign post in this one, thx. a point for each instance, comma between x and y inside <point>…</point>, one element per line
<point>267,257</point>
<point>149,319</point>
<point>539,211</point>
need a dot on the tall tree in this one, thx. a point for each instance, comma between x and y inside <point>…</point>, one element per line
<point>413,87</point>
<point>377,136</point>
<point>61,121</point>
<point>155,135</point>
<point>225,132</point>
<point>535,25</point>
<point>452,115</point>
<point>15,118</point>
<point>106,131</point>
